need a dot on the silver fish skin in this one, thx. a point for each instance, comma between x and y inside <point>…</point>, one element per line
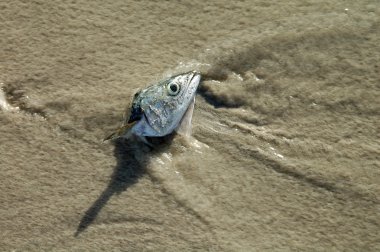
<point>159,109</point>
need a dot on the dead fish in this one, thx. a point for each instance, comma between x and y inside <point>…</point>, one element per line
<point>160,109</point>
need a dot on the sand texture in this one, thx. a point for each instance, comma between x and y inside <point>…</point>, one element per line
<point>285,149</point>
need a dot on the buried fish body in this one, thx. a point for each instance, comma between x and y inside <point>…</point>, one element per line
<point>160,109</point>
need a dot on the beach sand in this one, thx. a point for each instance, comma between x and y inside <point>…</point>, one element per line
<point>286,142</point>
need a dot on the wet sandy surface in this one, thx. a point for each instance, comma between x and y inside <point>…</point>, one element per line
<point>285,148</point>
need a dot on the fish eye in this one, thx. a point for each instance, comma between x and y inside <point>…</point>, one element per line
<point>173,88</point>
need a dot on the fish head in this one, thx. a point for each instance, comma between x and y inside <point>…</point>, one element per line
<point>161,107</point>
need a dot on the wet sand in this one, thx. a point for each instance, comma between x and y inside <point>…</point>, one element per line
<point>285,148</point>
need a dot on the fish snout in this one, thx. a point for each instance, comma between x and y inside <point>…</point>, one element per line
<point>194,78</point>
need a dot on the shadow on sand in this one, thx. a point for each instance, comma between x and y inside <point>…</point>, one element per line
<point>127,172</point>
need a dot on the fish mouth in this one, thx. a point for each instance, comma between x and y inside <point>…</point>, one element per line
<point>195,77</point>
<point>194,74</point>
<point>194,80</point>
